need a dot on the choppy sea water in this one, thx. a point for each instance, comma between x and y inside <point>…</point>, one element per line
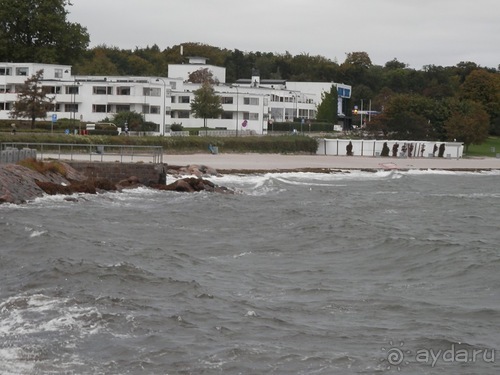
<point>298,273</point>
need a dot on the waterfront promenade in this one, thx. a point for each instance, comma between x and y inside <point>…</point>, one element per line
<point>280,162</point>
<point>299,162</point>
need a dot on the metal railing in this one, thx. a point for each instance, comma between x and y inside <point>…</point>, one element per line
<point>91,152</point>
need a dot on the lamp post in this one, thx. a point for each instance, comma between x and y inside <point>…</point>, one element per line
<point>162,132</point>
<point>74,90</point>
<point>361,113</point>
<point>237,108</point>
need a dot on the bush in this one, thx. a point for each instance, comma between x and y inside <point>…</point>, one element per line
<point>176,127</point>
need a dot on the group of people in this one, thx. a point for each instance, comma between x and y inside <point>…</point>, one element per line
<point>407,150</point>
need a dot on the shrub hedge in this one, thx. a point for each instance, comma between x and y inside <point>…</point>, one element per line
<point>259,144</point>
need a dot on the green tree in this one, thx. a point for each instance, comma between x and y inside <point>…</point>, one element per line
<point>468,123</point>
<point>483,87</point>
<point>201,75</point>
<point>33,101</point>
<point>38,31</point>
<point>206,103</point>
<point>405,117</point>
<point>98,64</point>
<point>133,120</point>
<point>358,59</point>
<point>327,109</point>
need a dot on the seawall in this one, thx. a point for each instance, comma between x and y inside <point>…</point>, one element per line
<point>147,174</point>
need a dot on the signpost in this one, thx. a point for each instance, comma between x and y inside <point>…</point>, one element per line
<point>54,119</point>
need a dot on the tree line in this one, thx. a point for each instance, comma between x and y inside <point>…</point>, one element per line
<point>459,102</point>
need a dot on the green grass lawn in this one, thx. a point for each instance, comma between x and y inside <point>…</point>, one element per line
<point>485,149</point>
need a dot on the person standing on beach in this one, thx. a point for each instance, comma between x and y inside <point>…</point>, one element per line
<point>349,149</point>
<point>395,150</point>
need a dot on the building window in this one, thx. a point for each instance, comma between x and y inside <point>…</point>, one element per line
<point>5,71</point>
<point>183,114</point>
<point>173,99</point>
<point>250,116</point>
<point>151,91</point>
<point>72,90</point>
<point>153,109</point>
<point>122,108</point>
<point>3,89</point>
<point>22,71</point>
<point>58,73</point>
<point>55,107</point>
<point>102,90</point>
<point>184,99</point>
<point>251,101</point>
<point>173,85</point>
<point>4,106</point>
<point>226,100</point>
<point>52,89</point>
<point>227,116</point>
<point>73,107</point>
<point>124,90</point>
<point>99,108</point>
<point>343,92</point>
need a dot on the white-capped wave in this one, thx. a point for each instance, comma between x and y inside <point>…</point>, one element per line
<point>27,319</point>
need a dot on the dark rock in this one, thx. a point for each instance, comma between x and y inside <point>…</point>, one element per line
<point>192,170</point>
<point>193,184</point>
<point>19,184</point>
<point>130,183</point>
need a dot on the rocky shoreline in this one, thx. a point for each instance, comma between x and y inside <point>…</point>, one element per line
<point>20,184</point>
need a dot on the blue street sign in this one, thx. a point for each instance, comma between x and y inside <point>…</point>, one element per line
<point>54,117</point>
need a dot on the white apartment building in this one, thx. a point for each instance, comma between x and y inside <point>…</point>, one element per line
<point>250,104</point>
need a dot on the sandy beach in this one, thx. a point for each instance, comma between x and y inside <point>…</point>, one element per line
<point>273,162</point>
<point>252,162</point>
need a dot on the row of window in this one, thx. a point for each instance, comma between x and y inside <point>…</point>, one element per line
<point>223,99</point>
<point>20,71</point>
<point>108,90</point>
<point>107,108</point>
<point>24,71</point>
<point>224,116</point>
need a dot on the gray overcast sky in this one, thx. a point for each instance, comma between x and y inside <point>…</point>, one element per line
<point>416,32</point>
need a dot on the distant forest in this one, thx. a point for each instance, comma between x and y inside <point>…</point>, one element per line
<point>369,81</point>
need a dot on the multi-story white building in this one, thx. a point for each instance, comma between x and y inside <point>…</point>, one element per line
<point>248,104</point>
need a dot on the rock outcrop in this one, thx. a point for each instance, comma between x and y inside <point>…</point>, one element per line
<point>192,170</point>
<point>193,184</point>
<point>19,184</point>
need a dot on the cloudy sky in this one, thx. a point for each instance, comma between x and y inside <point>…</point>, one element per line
<point>416,32</point>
